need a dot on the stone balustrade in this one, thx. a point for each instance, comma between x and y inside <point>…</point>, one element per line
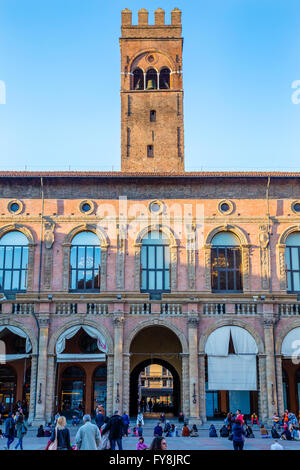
<point>22,308</point>
<point>246,308</point>
<point>289,309</point>
<point>97,309</point>
<point>140,309</point>
<point>214,309</point>
<point>66,309</point>
<point>171,309</point>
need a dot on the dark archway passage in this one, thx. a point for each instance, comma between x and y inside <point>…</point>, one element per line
<point>134,377</point>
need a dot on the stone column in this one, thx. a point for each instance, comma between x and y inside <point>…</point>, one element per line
<point>126,381</point>
<point>262,392</point>
<point>118,363</point>
<point>185,388</point>
<point>193,322</point>
<point>202,391</point>
<point>270,365</point>
<point>40,404</point>
<point>279,384</point>
<point>32,388</point>
<point>50,392</point>
<point>110,382</point>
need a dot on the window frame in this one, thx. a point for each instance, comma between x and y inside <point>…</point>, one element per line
<point>4,269</point>
<point>85,269</point>
<point>146,269</point>
<point>291,271</point>
<point>236,271</point>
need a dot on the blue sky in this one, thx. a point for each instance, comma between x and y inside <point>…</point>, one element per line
<point>60,62</point>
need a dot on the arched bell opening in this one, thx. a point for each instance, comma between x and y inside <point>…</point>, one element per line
<point>151,79</point>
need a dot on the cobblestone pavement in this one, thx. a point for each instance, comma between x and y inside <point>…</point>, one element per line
<point>203,442</point>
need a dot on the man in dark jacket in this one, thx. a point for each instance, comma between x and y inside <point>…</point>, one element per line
<point>238,435</point>
<point>10,429</point>
<point>99,418</point>
<point>115,427</point>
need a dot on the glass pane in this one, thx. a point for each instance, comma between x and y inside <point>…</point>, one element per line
<point>155,237</point>
<point>89,257</point>
<point>287,258</point>
<point>159,280</point>
<point>73,279</point>
<point>99,393</point>
<point>81,257</point>
<point>1,279</point>
<point>167,280</point>
<point>144,256</point>
<point>8,257</point>
<point>167,256</point>
<point>238,261</point>
<point>295,258</point>
<point>97,256</point>
<point>225,239</point>
<point>86,238</point>
<point>73,257</point>
<point>7,280</point>
<point>214,280</point>
<point>221,258</point>
<point>14,238</point>
<point>23,280</point>
<point>17,257</point>
<point>159,257</point>
<point>80,282</point>
<point>1,256</point>
<point>151,280</point>
<point>293,239</point>
<point>144,279</point>
<point>89,277</point>
<point>296,281</point>
<point>230,258</point>
<point>238,276</point>
<point>96,279</point>
<point>25,257</point>
<point>151,257</point>
<point>231,285</point>
<point>222,276</point>
<point>289,277</point>
<point>15,279</point>
<point>214,259</point>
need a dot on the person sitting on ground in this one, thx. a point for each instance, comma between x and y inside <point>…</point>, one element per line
<point>224,431</point>
<point>254,419</point>
<point>140,430</point>
<point>194,431</point>
<point>141,444</point>
<point>41,432</point>
<point>158,430</point>
<point>286,434</point>
<point>274,432</point>
<point>185,430</point>
<point>167,427</point>
<point>173,431</point>
<point>48,430</point>
<point>263,432</point>
<point>212,431</point>
<point>249,432</point>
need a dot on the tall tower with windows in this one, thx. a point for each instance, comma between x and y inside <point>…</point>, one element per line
<point>152,137</point>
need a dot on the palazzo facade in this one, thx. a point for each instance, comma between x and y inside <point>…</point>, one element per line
<point>103,274</point>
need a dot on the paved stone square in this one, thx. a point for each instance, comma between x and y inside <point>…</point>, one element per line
<point>203,442</point>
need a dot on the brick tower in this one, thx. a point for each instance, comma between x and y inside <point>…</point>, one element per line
<point>152,137</point>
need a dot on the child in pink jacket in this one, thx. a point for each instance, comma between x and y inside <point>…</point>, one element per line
<point>141,445</point>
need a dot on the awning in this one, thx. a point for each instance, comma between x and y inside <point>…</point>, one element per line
<point>291,344</point>
<point>17,331</point>
<point>81,358</point>
<point>92,332</point>
<point>231,371</point>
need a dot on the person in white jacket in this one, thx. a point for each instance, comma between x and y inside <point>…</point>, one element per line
<point>88,436</point>
<point>140,419</point>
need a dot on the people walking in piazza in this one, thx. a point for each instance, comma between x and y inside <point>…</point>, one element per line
<point>21,430</point>
<point>238,435</point>
<point>99,418</point>
<point>104,444</point>
<point>115,427</point>
<point>240,417</point>
<point>9,427</point>
<point>140,418</point>
<point>88,435</point>
<point>126,421</point>
<point>61,435</point>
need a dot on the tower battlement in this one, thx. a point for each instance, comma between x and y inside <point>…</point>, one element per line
<point>145,30</point>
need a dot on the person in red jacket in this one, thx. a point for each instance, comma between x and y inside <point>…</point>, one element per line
<point>185,430</point>
<point>240,417</point>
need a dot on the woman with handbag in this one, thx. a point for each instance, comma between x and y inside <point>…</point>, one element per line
<point>60,438</point>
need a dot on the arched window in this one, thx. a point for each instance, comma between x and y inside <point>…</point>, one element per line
<point>226,263</point>
<point>85,262</point>
<point>155,263</point>
<point>13,262</point>
<point>164,79</point>
<point>292,260</point>
<point>151,79</point>
<point>138,79</point>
